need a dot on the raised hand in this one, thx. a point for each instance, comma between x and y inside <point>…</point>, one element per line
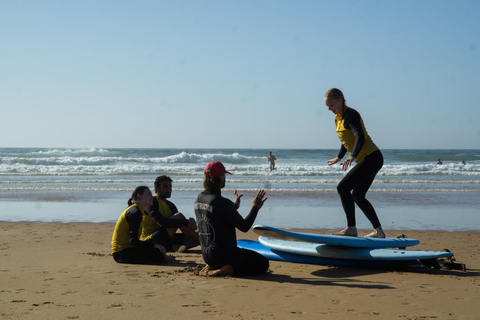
<point>237,198</point>
<point>259,199</point>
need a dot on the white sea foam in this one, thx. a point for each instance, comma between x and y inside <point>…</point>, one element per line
<point>116,166</point>
<point>297,170</point>
<point>106,177</point>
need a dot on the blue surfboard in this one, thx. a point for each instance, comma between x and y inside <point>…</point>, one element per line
<point>272,254</point>
<point>356,242</point>
<point>337,252</point>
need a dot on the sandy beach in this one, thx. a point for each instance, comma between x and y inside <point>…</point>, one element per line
<point>65,271</point>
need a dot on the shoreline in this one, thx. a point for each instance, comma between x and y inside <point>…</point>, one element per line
<point>65,271</point>
<point>280,214</point>
<point>248,236</point>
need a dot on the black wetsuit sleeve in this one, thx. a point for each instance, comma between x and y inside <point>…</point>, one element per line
<point>243,224</point>
<point>247,223</point>
<point>167,222</point>
<point>342,151</point>
<point>134,219</point>
<point>161,220</point>
<point>353,122</point>
<point>172,207</point>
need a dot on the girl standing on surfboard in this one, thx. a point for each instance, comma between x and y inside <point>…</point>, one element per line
<point>354,186</point>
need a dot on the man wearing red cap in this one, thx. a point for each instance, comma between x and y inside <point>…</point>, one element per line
<point>217,219</point>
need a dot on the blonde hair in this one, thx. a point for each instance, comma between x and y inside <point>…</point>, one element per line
<point>336,94</point>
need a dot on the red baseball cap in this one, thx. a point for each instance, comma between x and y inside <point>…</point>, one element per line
<point>213,168</point>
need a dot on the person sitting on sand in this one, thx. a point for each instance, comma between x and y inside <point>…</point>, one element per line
<point>163,219</point>
<point>126,245</point>
<point>217,219</point>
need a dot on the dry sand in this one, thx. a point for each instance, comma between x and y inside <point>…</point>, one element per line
<point>65,271</point>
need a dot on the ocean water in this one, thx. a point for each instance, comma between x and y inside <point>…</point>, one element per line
<point>92,185</point>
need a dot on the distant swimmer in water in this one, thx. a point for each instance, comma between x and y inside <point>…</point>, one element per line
<point>271,159</point>
<point>439,161</point>
<point>355,184</point>
<point>463,162</point>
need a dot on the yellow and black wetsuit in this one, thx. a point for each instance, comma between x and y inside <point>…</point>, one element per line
<point>157,220</point>
<point>353,135</point>
<point>126,246</point>
<point>164,208</point>
<point>354,186</point>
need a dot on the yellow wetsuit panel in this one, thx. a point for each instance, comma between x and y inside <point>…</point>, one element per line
<point>121,234</point>
<point>347,138</point>
<point>163,207</point>
<point>148,225</point>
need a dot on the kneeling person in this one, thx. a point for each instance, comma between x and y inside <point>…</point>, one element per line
<point>218,219</point>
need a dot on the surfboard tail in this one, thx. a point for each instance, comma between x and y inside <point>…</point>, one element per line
<point>447,263</point>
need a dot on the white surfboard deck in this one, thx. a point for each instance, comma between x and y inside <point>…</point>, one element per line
<point>338,252</point>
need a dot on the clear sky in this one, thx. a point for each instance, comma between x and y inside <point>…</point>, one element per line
<point>237,74</point>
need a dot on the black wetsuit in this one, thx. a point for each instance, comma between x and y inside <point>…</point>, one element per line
<point>217,219</point>
<point>354,186</point>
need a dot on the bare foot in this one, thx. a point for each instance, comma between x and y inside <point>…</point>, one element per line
<point>377,233</point>
<point>226,270</point>
<point>348,231</point>
<point>205,270</point>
